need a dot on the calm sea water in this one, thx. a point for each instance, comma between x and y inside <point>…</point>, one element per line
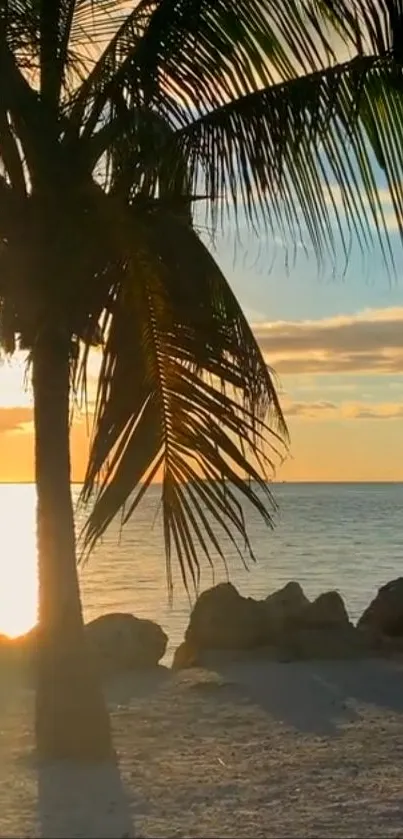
<point>343,536</point>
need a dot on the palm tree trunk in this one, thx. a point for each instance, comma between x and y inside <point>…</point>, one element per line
<point>71,717</point>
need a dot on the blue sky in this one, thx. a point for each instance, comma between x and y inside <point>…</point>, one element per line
<point>269,289</point>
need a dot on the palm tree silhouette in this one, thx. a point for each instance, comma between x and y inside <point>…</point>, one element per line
<point>116,117</point>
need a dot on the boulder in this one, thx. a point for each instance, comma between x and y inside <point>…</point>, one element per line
<point>121,642</point>
<point>223,619</point>
<point>322,630</point>
<point>185,656</point>
<point>326,612</point>
<point>224,626</point>
<point>20,647</point>
<point>384,615</point>
<point>287,605</point>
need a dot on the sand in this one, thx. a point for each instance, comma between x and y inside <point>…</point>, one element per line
<point>258,749</point>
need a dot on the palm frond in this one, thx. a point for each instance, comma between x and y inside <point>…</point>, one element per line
<point>281,150</point>
<point>378,25</point>
<point>183,390</point>
<point>87,26</point>
<point>298,156</point>
<point>285,152</point>
<point>187,57</point>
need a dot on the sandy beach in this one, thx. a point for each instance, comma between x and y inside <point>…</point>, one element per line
<point>258,749</point>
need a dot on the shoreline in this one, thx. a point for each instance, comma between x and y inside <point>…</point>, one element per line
<point>254,748</point>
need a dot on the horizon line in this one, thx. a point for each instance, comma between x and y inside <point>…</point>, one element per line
<point>274,482</point>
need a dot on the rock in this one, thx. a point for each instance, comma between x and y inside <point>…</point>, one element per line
<point>324,631</point>
<point>185,656</point>
<point>19,647</point>
<point>288,604</point>
<point>18,658</point>
<point>223,619</point>
<point>121,642</point>
<point>225,627</point>
<point>384,615</point>
<point>327,611</point>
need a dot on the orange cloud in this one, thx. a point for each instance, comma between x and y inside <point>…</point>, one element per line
<point>15,419</point>
<point>369,342</point>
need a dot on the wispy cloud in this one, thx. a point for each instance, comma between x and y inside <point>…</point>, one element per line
<point>385,411</point>
<point>371,341</point>
<point>322,410</point>
<point>310,410</point>
<point>15,419</point>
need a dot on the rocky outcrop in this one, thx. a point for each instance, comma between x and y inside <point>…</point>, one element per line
<point>223,619</point>
<point>122,642</point>
<point>286,626</point>
<point>326,612</point>
<point>384,615</point>
<point>323,630</point>
<point>287,605</point>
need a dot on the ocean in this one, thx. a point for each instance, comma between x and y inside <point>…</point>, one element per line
<point>347,537</point>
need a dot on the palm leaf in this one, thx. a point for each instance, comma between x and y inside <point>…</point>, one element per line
<point>183,389</point>
<point>280,151</point>
<point>283,153</point>
<point>194,55</point>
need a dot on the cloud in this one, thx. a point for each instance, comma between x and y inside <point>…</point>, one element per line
<point>322,410</point>
<point>371,341</point>
<point>385,411</point>
<point>384,204</point>
<point>14,419</point>
<point>309,410</point>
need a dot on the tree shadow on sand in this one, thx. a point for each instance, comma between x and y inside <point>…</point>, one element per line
<point>82,801</point>
<point>91,801</point>
<point>318,696</point>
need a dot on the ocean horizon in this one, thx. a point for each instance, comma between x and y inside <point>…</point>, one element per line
<point>275,482</point>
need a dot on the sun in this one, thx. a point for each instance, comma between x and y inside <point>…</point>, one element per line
<point>18,571</point>
<point>15,389</point>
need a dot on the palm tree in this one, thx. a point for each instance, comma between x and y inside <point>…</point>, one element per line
<point>116,117</point>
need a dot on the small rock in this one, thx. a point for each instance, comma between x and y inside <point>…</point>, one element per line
<point>223,619</point>
<point>384,615</point>
<point>122,642</point>
<point>327,611</point>
<point>287,604</point>
<point>185,656</point>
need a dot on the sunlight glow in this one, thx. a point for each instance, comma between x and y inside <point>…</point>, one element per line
<point>15,390</point>
<point>18,571</point>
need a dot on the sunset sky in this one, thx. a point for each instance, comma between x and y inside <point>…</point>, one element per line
<point>336,344</point>
<point>335,340</point>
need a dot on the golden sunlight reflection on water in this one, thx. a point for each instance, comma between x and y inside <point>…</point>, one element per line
<point>18,573</point>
